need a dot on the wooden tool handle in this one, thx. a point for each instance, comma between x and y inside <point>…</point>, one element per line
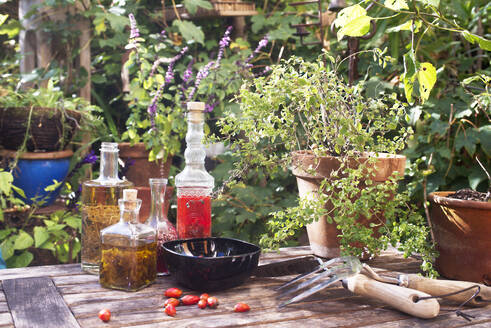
<point>403,299</point>
<point>437,287</point>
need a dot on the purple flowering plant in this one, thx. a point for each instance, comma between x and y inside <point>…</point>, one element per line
<point>167,71</point>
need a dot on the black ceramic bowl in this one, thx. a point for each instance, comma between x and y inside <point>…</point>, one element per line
<point>208,264</point>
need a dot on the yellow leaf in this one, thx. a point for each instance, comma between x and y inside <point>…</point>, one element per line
<point>396,4</point>
<point>427,79</point>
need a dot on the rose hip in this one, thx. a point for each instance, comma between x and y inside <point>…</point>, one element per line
<point>173,292</point>
<point>170,310</point>
<point>189,299</point>
<point>241,307</point>
<point>204,296</point>
<point>212,302</point>
<point>202,304</point>
<point>172,300</point>
<point>105,315</point>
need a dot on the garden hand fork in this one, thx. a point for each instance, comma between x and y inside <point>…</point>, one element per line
<point>347,269</point>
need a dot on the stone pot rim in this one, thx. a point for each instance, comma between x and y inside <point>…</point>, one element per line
<point>440,198</point>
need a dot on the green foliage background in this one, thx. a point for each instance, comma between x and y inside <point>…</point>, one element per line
<point>451,127</point>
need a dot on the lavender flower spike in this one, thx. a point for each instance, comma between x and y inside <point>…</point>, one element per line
<point>169,75</point>
<point>263,43</point>
<point>135,32</point>
<point>202,73</point>
<point>224,42</point>
<point>188,73</point>
<point>152,108</point>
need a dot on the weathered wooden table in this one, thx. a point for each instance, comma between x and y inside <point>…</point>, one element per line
<point>64,296</point>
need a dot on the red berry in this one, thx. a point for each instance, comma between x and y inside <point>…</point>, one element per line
<point>170,310</point>
<point>172,300</point>
<point>202,304</point>
<point>105,315</point>
<point>212,302</point>
<point>241,307</point>
<point>173,292</point>
<point>189,299</point>
<point>204,296</point>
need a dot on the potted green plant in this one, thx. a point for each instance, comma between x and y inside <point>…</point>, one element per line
<point>343,149</point>
<point>36,129</point>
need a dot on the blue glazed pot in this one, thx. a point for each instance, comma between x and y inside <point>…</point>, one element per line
<point>36,171</point>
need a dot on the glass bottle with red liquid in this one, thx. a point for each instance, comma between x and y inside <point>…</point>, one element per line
<point>158,220</point>
<point>194,184</point>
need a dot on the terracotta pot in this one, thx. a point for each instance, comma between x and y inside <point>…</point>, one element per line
<point>142,170</point>
<point>323,235</point>
<point>145,195</point>
<point>462,232</point>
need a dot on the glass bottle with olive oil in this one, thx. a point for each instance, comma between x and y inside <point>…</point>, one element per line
<point>129,249</point>
<point>100,205</point>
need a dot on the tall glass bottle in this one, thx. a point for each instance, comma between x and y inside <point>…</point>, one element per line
<point>194,184</point>
<point>129,249</point>
<point>158,220</point>
<point>100,205</point>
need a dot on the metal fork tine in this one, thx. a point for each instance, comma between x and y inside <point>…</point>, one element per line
<point>311,291</point>
<point>349,266</point>
<point>309,282</point>
<point>322,266</point>
<point>300,276</point>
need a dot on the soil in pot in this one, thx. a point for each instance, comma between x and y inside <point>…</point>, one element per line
<point>469,194</point>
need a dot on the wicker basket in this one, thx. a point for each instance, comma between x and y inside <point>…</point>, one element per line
<point>50,129</point>
<point>220,8</point>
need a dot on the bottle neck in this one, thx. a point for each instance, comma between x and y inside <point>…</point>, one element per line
<point>195,151</point>
<point>129,210</point>
<point>158,199</point>
<point>109,165</point>
<point>194,173</point>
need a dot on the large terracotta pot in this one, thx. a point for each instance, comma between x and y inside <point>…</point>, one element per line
<point>462,233</point>
<point>323,235</point>
<point>141,170</point>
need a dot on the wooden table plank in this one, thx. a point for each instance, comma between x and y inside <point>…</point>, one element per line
<point>333,307</point>
<point>444,320</point>
<point>36,303</point>
<point>41,271</point>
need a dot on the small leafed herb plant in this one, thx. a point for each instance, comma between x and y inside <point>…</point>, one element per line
<point>306,106</point>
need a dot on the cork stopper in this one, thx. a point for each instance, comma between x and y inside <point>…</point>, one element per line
<point>130,194</point>
<point>196,106</point>
<point>196,112</point>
